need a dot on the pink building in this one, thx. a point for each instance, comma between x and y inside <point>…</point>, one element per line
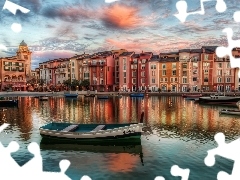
<point>101,71</point>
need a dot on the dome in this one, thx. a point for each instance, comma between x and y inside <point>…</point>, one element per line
<point>23,43</point>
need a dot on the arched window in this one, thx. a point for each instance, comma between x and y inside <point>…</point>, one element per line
<point>205,79</point>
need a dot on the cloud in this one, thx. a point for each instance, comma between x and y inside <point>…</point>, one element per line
<point>68,13</point>
<point>122,17</point>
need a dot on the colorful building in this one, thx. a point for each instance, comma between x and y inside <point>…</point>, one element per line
<point>16,70</point>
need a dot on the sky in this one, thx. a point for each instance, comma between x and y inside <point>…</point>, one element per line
<point>61,29</point>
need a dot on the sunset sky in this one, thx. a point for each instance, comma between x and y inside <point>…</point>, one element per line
<point>56,28</point>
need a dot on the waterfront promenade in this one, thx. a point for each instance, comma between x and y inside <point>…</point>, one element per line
<point>61,93</point>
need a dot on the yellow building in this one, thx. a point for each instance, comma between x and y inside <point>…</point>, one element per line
<point>16,70</point>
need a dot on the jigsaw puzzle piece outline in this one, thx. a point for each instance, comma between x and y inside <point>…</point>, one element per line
<point>12,7</point>
<point>182,6</point>
<point>228,151</point>
<point>177,171</point>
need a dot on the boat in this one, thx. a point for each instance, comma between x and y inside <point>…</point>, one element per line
<point>8,103</point>
<point>136,95</point>
<point>191,96</point>
<point>102,97</point>
<point>43,98</point>
<point>91,133</point>
<point>216,99</point>
<point>69,95</point>
<point>89,95</point>
<point>229,111</point>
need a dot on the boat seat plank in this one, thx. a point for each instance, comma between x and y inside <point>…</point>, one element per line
<point>70,128</point>
<point>99,127</point>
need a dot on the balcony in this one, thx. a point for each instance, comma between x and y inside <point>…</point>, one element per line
<point>93,64</point>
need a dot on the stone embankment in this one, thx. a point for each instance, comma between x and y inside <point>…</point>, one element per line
<point>26,93</point>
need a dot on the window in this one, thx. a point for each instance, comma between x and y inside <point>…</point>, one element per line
<point>206,57</point>
<point>219,72</point>
<point>164,72</point>
<point>228,80</point>
<point>172,79</point>
<point>194,79</point>
<point>124,80</point>
<point>143,67</point>
<point>164,66</point>
<point>173,65</point>
<point>153,73</point>
<point>184,65</point>
<point>205,71</point>
<point>143,74</point>
<point>143,80</point>
<point>134,74</point>
<point>166,79</point>
<point>205,79</point>
<point>124,67</point>
<point>219,80</point>
<point>124,61</point>
<point>153,80</point>
<point>176,80</point>
<point>184,73</point>
<point>184,80</point>
<point>219,65</point>
<point>174,72</point>
<point>134,80</point>
<point>228,65</point>
<point>124,74</point>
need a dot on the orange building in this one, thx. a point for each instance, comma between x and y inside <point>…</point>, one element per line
<point>169,72</point>
<point>16,70</point>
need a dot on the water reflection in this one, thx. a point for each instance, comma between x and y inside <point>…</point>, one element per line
<point>166,112</point>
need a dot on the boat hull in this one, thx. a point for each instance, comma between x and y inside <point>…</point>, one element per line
<point>136,95</point>
<point>230,112</point>
<point>86,133</point>
<point>71,95</point>
<point>192,96</point>
<point>8,103</point>
<point>219,99</point>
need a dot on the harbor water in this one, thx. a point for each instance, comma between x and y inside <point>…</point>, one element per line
<point>177,132</point>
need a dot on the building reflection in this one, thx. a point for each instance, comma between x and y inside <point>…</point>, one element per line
<point>163,111</point>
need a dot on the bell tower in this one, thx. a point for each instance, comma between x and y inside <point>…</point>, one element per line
<point>24,53</point>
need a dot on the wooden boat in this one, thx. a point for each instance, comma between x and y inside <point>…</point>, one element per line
<point>230,111</point>
<point>102,97</point>
<point>43,98</point>
<point>8,103</point>
<point>91,133</point>
<point>89,95</point>
<point>191,96</point>
<point>136,95</point>
<point>219,99</point>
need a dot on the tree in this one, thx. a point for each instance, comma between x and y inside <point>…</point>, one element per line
<point>85,83</point>
<point>67,83</point>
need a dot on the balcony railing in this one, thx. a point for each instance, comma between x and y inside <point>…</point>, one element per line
<point>97,64</point>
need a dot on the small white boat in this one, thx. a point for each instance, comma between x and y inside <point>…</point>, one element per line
<point>43,98</point>
<point>229,111</point>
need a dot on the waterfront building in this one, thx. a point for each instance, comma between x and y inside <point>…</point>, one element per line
<point>116,54</point>
<point>101,71</point>
<point>169,72</point>
<point>62,72</point>
<point>125,60</point>
<point>224,75</point>
<point>154,79</point>
<point>144,82</point>
<point>207,63</point>
<point>16,70</point>
<point>236,54</point>
<point>190,64</point>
